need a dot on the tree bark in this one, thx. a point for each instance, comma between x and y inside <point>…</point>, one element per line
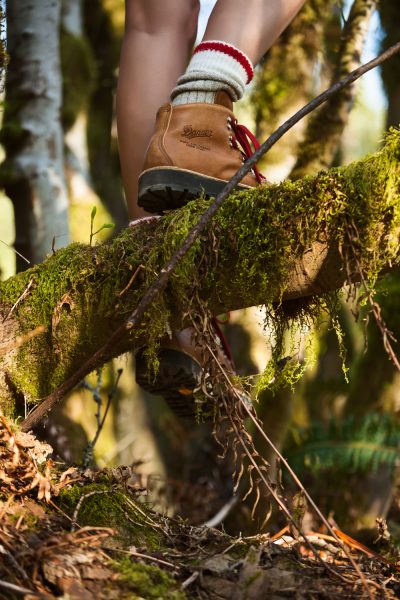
<point>102,147</point>
<point>264,245</point>
<point>389,11</point>
<point>325,127</point>
<point>32,173</point>
<point>285,80</point>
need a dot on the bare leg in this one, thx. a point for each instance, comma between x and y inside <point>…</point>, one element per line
<point>251,25</point>
<point>158,38</point>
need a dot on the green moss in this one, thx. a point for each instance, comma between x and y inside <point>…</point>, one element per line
<point>106,506</point>
<point>148,581</point>
<point>245,256</point>
<point>30,520</point>
<point>77,288</point>
<point>268,229</point>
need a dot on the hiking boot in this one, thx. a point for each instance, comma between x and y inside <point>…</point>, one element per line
<point>180,371</point>
<point>195,150</point>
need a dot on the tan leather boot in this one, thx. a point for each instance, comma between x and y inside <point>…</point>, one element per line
<point>195,150</point>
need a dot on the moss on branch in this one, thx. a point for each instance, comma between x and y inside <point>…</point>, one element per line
<point>271,243</point>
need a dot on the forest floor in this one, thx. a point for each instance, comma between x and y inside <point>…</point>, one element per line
<point>74,534</point>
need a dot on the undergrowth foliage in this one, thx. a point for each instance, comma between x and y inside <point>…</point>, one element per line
<point>345,445</point>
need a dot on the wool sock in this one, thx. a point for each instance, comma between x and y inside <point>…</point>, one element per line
<point>214,66</point>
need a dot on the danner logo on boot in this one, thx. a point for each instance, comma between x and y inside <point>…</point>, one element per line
<point>190,133</point>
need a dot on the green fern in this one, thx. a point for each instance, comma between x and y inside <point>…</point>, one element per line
<point>346,445</point>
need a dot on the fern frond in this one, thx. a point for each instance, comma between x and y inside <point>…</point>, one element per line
<point>346,445</point>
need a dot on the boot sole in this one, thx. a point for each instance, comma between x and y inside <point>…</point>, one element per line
<point>162,189</point>
<point>177,378</point>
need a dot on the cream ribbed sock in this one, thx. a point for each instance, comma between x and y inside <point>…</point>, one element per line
<point>214,66</point>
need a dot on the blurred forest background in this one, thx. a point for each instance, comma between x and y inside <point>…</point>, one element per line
<point>340,432</point>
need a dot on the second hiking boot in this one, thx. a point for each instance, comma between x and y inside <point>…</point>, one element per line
<point>180,372</point>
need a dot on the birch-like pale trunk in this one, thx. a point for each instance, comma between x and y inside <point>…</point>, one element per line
<point>33,172</point>
<point>71,16</point>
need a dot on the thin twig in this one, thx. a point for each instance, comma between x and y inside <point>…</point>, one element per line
<point>56,507</point>
<point>271,489</point>
<point>22,296</point>
<point>309,498</point>
<point>190,579</point>
<point>132,279</point>
<point>283,506</point>
<point>222,513</point>
<point>20,340</point>
<point>88,454</point>
<point>145,556</point>
<point>387,335</point>
<point>16,252</point>
<point>110,396</point>
<point>15,588</point>
<point>161,281</point>
<point>250,413</point>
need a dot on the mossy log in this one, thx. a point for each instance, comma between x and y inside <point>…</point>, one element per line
<point>265,245</point>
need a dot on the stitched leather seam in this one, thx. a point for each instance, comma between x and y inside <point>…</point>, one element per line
<point>161,140</point>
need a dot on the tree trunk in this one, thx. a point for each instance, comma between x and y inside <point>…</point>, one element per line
<point>389,11</point>
<point>102,145</point>
<point>373,364</point>
<point>286,79</point>
<point>32,173</point>
<point>264,245</point>
<point>318,151</point>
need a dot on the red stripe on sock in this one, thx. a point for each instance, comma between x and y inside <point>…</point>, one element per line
<point>230,51</point>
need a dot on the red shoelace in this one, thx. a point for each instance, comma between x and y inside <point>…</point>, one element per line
<point>224,342</point>
<point>243,136</point>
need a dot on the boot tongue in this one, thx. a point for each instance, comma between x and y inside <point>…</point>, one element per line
<point>223,99</point>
